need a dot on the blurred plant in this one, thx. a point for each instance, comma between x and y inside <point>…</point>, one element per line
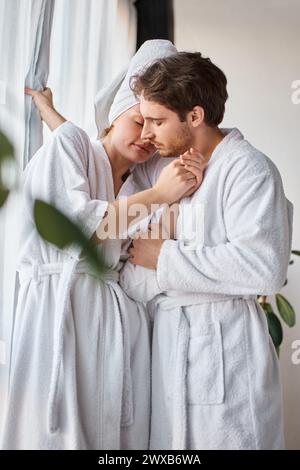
<point>52,225</point>
<point>7,160</point>
<point>285,311</point>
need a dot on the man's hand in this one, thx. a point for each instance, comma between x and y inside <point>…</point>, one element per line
<point>145,251</point>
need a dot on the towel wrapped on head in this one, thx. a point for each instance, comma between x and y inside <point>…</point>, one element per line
<point>116,98</point>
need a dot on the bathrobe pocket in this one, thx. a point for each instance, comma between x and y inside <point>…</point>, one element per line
<point>205,368</point>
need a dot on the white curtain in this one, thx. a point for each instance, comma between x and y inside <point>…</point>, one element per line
<point>89,42</point>
<point>19,26</point>
<point>37,73</point>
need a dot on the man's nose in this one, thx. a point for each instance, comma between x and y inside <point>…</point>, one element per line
<point>146,133</point>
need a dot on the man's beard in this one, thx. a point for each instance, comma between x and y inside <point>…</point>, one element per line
<point>179,144</point>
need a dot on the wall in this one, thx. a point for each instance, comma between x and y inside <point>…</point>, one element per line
<point>257,44</point>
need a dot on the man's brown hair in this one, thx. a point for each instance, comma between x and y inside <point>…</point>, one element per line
<point>184,80</point>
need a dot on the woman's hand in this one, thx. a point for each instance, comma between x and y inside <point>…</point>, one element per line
<point>193,161</point>
<point>42,99</point>
<point>44,103</point>
<point>174,182</point>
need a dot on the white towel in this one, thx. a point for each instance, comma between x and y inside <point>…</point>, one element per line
<point>116,98</point>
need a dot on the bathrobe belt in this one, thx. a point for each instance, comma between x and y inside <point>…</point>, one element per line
<point>66,270</point>
<point>179,386</point>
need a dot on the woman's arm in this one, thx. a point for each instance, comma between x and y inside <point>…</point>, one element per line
<point>178,179</point>
<point>181,178</point>
<point>44,103</point>
<point>174,182</point>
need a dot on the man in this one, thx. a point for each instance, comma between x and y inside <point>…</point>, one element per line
<point>214,368</point>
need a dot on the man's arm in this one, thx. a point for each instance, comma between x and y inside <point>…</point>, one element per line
<point>138,282</point>
<point>253,261</point>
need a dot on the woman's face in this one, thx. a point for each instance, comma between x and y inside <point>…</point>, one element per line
<point>126,136</point>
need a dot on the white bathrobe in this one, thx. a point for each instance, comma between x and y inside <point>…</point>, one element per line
<point>215,373</point>
<point>81,350</point>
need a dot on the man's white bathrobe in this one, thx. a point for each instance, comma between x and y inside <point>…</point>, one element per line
<point>215,373</point>
<point>81,350</point>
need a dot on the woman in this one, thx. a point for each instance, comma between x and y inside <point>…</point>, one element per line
<point>80,361</point>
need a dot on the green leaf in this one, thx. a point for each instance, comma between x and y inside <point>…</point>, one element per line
<point>6,148</point>
<point>296,252</point>
<point>275,329</point>
<point>54,227</point>
<point>3,196</point>
<point>285,309</point>
<point>6,153</point>
<point>267,307</point>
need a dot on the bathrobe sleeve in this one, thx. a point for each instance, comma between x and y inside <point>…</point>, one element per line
<point>146,174</point>
<point>258,224</point>
<point>139,283</point>
<point>58,174</point>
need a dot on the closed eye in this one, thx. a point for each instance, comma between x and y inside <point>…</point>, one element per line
<point>139,123</point>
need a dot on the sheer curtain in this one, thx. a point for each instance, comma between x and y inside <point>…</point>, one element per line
<point>91,42</point>
<point>73,46</point>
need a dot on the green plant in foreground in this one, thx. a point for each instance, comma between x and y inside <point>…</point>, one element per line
<point>285,311</point>
<point>54,227</point>
<point>6,157</point>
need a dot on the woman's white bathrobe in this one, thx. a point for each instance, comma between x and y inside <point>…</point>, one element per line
<point>215,373</point>
<point>81,351</point>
